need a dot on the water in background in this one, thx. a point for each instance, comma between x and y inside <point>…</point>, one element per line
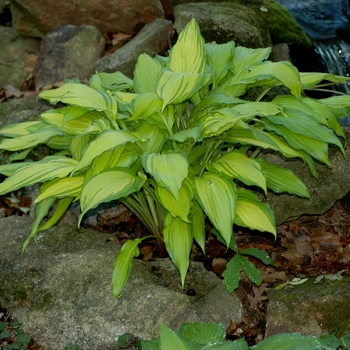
<point>326,22</point>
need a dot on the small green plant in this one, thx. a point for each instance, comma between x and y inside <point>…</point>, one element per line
<point>177,144</point>
<point>13,337</point>
<point>206,336</point>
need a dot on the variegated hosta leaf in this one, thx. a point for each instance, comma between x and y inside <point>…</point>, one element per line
<point>253,109</point>
<point>178,242</point>
<point>123,264</point>
<point>283,71</point>
<point>181,206</point>
<point>59,142</point>
<point>339,104</point>
<point>108,186</point>
<point>220,57</point>
<point>309,80</point>
<point>237,165</point>
<point>169,170</point>
<point>325,115</point>
<point>29,140</point>
<point>144,83</point>
<point>41,171</point>
<point>77,146</point>
<point>82,96</point>
<point>116,81</point>
<point>198,225</point>
<point>188,55</point>
<point>20,129</point>
<point>217,196</point>
<point>61,188</point>
<point>252,213</point>
<point>177,87</point>
<point>245,57</point>
<point>169,340</point>
<point>307,127</point>
<point>282,180</point>
<point>145,105</point>
<point>104,142</point>
<point>9,169</point>
<point>316,148</point>
<point>189,133</point>
<point>221,120</point>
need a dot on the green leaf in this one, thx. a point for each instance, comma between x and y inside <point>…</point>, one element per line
<point>203,333</point>
<point>82,96</point>
<point>245,57</point>
<point>232,273</point>
<point>289,341</point>
<point>282,180</point>
<point>144,83</point>
<point>124,340</point>
<point>250,212</point>
<point>175,87</point>
<point>20,129</point>
<point>309,80</point>
<point>41,210</point>
<point>188,55</point>
<point>77,146</point>
<point>123,264</point>
<point>107,186</point>
<point>30,140</point>
<point>146,105</point>
<point>220,57</point>
<point>61,188</point>
<point>41,171</point>
<point>152,138</point>
<point>181,206</point>
<point>116,81</point>
<point>178,241</point>
<point>259,254</point>
<point>198,225</point>
<point>217,196</point>
<point>169,170</point>
<point>235,345</point>
<point>250,270</point>
<point>169,340</point>
<point>193,134</point>
<point>104,142</point>
<point>237,165</point>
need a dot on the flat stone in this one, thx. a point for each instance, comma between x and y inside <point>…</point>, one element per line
<point>60,289</point>
<point>153,39</point>
<point>68,52</point>
<point>18,57</point>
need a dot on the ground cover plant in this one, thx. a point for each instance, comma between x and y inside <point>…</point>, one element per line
<point>177,144</point>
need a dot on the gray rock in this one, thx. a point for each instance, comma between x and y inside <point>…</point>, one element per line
<point>224,22</point>
<point>18,56</point>
<point>153,39</point>
<point>60,289</point>
<point>31,18</point>
<point>22,110</point>
<point>333,183</point>
<point>68,52</point>
<point>310,308</point>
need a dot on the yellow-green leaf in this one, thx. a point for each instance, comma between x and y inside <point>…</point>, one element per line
<point>217,196</point>
<point>252,213</point>
<point>198,225</point>
<point>123,264</point>
<point>178,241</point>
<point>144,83</point>
<point>169,170</point>
<point>169,340</point>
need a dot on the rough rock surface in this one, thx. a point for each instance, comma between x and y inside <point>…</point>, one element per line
<point>153,39</point>
<point>310,308</point>
<point>34,18</point>
<point>68,52</point>
<point>333,183</point>
<point>224,22</point>
<point>60,289</point>
<point>18,57</point>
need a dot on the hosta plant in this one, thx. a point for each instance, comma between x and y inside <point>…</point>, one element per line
<point>177,144</point>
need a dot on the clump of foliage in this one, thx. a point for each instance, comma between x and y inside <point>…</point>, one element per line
<point>177,144</point>
<point>206,336</point>
<point>12,336</point>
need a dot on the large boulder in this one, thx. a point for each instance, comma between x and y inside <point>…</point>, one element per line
<point>153,39</point>
<point>68,52</point>
<point>333,183</point>
<point>224,22</point>
<point>34,18</point>
<point>60,289</point>
<point>283,28</point>
<point>18,57</point>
